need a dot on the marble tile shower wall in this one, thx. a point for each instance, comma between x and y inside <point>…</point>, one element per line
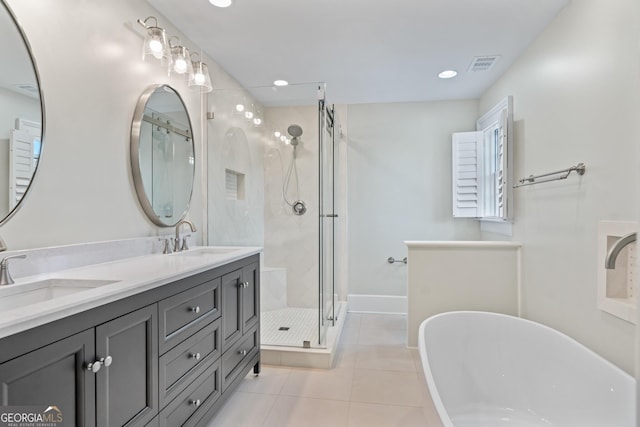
<point>291,241</point>
<point>234,144</point>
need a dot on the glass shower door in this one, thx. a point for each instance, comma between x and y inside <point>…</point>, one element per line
<point>327,220</point>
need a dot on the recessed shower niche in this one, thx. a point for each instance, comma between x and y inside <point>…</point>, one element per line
<point>616,286</point>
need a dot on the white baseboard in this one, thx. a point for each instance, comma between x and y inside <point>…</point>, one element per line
<point>386,304</point>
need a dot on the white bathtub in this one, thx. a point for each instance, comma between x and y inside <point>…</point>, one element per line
<point>487,369</point>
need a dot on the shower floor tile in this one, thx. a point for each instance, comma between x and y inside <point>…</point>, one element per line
<point>289,327</point>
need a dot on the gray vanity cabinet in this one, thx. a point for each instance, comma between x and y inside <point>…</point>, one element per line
<point>241,336</point>
<point>127,389</point>
<point>165,357</point>
<point>122,392</point>
<point>54,375</point>
<point>241,299</point>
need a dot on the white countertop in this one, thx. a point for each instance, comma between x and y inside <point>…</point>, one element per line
<point>131,276</point>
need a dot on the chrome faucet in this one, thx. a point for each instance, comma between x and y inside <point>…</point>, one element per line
<point>5,276</point>
<point>176,243</point>
<point>610,261</point>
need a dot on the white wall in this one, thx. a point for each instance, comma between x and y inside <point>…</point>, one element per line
<point>89,58</point>
<point>576,99</point>
<point>399,186</point>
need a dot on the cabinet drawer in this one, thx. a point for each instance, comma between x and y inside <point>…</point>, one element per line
<point>186,361</point>
<point>233,359</point>
<point>199,394</point>
<point>181,315</point>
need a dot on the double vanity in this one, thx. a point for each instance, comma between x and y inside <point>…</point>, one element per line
<point>157,340</point>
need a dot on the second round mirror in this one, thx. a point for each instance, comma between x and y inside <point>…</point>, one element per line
<point>162,155</point>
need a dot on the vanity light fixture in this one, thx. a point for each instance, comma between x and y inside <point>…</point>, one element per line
<point>221,3</point>
<point>447,74</point>
<point>200,79</point>
<point>155,42</point>
<point>181,59</point>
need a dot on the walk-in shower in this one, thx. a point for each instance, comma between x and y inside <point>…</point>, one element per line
<point>298,137</point>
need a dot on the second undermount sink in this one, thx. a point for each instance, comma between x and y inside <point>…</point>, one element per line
<point>20,295</point>
<point>207,251</point>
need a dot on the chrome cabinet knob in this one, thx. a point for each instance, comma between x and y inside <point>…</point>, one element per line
<point>243,285</point>
<point>243,352</point>
<point>195,403</point>
<point>94,367</point>
<point>195,356</point>
<point>106,361</point>
<point>195,309</point>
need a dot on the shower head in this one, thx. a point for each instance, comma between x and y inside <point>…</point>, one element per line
<point>294,130</point>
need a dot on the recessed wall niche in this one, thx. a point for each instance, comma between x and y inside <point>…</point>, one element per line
<point>234,184</point>
<point>616,287</point>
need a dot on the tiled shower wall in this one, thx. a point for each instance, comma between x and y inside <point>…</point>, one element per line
<point>291,241</point>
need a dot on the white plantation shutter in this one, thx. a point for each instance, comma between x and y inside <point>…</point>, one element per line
<point>21,165</point>
<point>501,177</point>
<point>466,188</point>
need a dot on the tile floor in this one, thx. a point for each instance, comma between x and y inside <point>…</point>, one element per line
<point>376,382</point>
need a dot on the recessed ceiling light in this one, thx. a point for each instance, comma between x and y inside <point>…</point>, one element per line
<point>447,74</point>
<point>280,82</point>
<point>221,3</point>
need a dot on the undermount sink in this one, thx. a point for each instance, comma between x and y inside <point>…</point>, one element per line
<point>20,295</point>
<point>206,251</point>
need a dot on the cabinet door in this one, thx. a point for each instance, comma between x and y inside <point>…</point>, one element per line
<point>54,376</point>
<point>250,309</point>
<point>127,390</point>
<point>231,316</point>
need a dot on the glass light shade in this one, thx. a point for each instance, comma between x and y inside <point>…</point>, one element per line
<point>155,46</point>
<point>181,62</point>
<point>200,79</point>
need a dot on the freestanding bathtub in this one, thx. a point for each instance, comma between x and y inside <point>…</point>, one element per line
<point>488,369</point>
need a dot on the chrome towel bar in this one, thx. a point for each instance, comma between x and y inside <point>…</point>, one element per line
<point>562,174</point>
<point>391,260</point>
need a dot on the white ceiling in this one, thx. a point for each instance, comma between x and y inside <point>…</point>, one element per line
<point>367,51</point>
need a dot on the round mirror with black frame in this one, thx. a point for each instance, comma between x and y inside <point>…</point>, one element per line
<point>21,115</point>
<point>162,155</point>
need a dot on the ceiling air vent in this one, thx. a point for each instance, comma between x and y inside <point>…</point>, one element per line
<point>483,63</point>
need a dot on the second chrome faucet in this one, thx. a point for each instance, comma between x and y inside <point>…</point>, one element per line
<point>177,244</point>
